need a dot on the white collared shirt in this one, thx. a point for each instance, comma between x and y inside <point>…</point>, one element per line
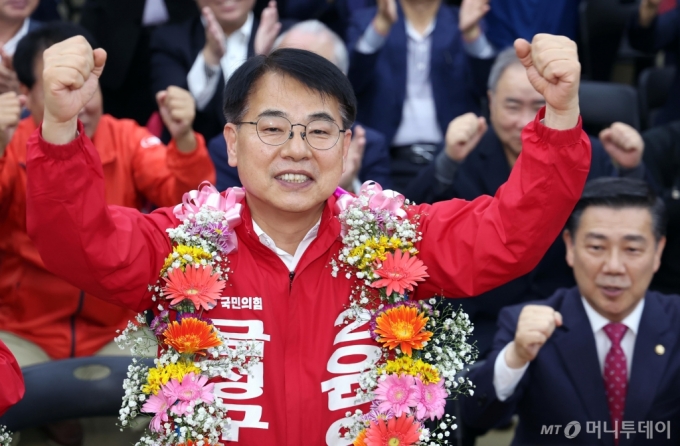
<point>155,13</point>
<point>419,122</point>
<point>290,261</point>
<point>505,379</point>
<point>201,86</point>
<point>11,45</point>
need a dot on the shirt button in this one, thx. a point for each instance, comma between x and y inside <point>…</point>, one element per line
<point>421,66</point>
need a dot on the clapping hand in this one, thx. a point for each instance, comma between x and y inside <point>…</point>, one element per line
<point>214,48</point>
<point>8,77</point>
<point>10,113</point>
<point>471,13</point>
<point>268,30</point>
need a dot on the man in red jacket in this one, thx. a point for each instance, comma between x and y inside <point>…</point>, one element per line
<point>303,388</point>
<point>42,316</point>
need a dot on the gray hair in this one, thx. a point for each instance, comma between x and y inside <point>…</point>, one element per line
<point>505,59</point>
<point>314,27</point>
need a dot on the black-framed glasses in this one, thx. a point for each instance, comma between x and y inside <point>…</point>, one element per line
<point>320,134</point>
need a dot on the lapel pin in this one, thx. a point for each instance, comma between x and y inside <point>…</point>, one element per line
<point>659,349</point>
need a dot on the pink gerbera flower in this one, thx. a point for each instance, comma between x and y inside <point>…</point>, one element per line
<point>196,284</point>
<point>402,431</point>
<point>396,393</point>
<point>400,272</point>
<point>431,399</point>
<point>191,391</point>
<point>159,405</point>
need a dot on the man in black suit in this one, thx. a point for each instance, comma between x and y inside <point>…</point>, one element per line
<point>602,360</point>
<point>201,53</point>
<point>123,28</point>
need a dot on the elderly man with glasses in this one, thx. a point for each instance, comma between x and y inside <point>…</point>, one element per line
<point>288,116</point>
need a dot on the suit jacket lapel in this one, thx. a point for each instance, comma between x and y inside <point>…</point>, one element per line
<point>575,344</point>
<point>648,366</point>
<point>496,168</point>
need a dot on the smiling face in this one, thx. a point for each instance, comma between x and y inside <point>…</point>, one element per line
<point>292,177</point>
<point>614,255</point>
<point>512,106</point>
<point>230,14</point>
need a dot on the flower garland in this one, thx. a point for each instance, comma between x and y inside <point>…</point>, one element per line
<point>177,391</point>
<point>5,436</point>
<point>424,344</point>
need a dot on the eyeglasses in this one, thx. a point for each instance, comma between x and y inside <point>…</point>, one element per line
<point>320,134</point>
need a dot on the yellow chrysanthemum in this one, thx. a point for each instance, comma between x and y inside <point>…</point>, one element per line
<point>406,365</point>
<point>377,249</point>
<point>159,376</point>
<point>187,255</point>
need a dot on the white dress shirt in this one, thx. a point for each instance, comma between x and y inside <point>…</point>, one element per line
<point>419,115</point>
<point>505,379</point>
<point>11,45</point>
<point>290,261</point>
<point>155,13</point>
<point>201,85</point>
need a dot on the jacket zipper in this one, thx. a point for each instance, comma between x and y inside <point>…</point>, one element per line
<point>73,323</point>
<point>292,276</point>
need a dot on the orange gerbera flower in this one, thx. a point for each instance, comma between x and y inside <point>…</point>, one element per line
<point>402,431</point>
<point>402,327</point>
<point>196,283</point>
<point>400,272</point>
<point>361,439</point>
<point>191,336</point>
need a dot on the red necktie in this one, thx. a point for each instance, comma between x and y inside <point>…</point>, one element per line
<point>616,374</point>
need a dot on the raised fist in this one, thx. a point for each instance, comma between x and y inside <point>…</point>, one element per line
<point>178,110</point>
<point>268,30</point>
<point>554,71</point>
<point>10,113</point>
<point>463,135</point>
<point>70,78</point>
<point>535,325</point>
<point>623,144</point>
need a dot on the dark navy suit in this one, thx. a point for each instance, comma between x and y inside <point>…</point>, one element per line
<point>174,50</point>
<point>379,79</point>
<point>375,165</point>
<point>484,170</point>
<point>564,382</point>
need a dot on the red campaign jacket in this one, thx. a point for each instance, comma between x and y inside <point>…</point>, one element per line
<point>11,380</point>
<point>45,309</point>
<point>311,363</point>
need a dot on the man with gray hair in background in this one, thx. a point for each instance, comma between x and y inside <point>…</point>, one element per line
<point>477,159</point>
<point>368,157</point>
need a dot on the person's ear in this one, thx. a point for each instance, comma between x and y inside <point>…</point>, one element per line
<point>232,145</point>
<point>346,141</point>
<point>660,245</point>
<point>569,243</point>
